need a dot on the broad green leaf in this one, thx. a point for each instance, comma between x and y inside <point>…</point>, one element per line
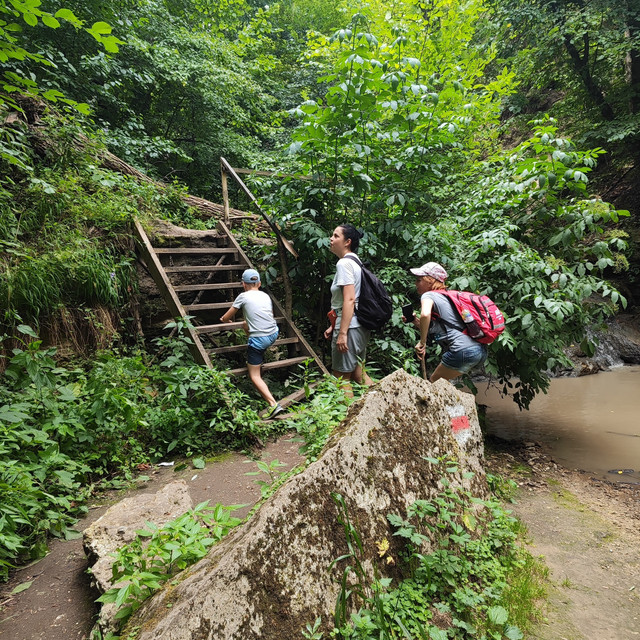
<point>497,615</point>
<point>21,587</point>
<point>101,28</point>
<point>50,21</point>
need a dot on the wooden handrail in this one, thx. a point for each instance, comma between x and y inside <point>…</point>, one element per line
<point>228,169</point>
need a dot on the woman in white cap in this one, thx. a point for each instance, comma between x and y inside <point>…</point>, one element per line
<point>261,326</point>
<point>460,352</point>
<point>348,338</point>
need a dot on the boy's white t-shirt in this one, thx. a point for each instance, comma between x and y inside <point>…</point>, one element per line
<point>257,308</point>
<point>347,272</point>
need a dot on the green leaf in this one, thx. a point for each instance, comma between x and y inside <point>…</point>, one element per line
<point>27,330</point>
<point>110,44</point>
<point>30,19</point>
<point>66,478</point>
<point>22,587</point>
<point>498,615</point>
<point>437,634</point>
<point>50,21</point>
<point>69,16</point>
<point>198,463</point>
<point>83,107</point>
<point>72,534</point>
<point>513,633</point>
<point>101,28</point>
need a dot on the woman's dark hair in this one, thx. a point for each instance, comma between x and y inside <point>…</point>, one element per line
<point>351,233</point>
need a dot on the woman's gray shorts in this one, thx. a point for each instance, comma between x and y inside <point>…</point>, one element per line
<point>357,339</point>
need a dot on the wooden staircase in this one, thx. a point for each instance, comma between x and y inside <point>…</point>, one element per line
<point>202,282</point>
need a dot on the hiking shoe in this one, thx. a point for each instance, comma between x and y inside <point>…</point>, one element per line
<point>274,412</point>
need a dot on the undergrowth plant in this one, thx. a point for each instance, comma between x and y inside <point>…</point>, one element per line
<point>270,469</point>
<point>157,553</point>
<point>315,420</point>
<point>465,575</point>
<point>65,431</point>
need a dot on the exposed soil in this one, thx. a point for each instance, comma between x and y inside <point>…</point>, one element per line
<point>588,532</point>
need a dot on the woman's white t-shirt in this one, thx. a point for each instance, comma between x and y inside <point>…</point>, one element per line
<point>347,272</point>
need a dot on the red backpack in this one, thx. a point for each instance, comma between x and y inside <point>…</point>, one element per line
<point>483,320</point>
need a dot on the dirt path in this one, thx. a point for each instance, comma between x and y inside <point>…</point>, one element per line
<point>59,604</point>
<point>587,531</point>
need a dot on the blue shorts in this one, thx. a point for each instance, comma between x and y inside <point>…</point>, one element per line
<point>465,359</point>
<point>257,346</point>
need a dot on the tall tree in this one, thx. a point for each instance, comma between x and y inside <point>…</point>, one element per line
<point>587,50</point>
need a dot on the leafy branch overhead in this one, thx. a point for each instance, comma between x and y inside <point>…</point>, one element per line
<point>13,16</point>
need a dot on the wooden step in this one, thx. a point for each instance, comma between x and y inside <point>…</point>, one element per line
<point>225,326</point>
<point>298,394</point>
<point>209,306</point>
<point>278,364</point>
<point>241,347</point>
<point>195,250</point>
<point>218,286</point>
<point>194,268</point>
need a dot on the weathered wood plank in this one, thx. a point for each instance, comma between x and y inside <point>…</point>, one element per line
<point>216,286</point>
<point>226,326</point>
<point>232,348</point>
<point>195,268</point>
<point>278,364</point>
<point>194,250</point>
<point>168,293</point>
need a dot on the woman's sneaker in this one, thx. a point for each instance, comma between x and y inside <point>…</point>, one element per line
<point>274,412</point>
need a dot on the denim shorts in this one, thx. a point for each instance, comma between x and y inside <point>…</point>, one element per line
<point>257,346</point>
<point>465,359</point>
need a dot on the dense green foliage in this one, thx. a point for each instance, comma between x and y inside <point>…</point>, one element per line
<point>65,430</point>
<point>580,61</point>
<point>464,574</point>
<point>397,146</point>
<point>158,553</point>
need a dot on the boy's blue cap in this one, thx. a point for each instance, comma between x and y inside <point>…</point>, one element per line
<point>250,276</point>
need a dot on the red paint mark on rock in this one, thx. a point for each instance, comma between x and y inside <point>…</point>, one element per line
<point>460,423</point>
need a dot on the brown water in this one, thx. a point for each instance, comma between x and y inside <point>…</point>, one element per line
<point>590,423</point>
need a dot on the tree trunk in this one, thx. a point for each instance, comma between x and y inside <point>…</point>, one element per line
<point>632,63</point>
<point>581,65</point>
<point>205,207</point>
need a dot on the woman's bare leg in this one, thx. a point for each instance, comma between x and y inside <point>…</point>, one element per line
<point>443,372</point>
<point>346,377</point>
<point>361,376</point>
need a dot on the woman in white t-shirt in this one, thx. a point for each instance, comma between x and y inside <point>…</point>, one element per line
<point>348,339</point>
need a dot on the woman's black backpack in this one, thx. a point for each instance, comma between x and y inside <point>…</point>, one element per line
<point>374,304</point>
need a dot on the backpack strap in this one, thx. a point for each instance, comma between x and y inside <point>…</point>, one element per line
<point>356,260</point>
<point>455,311</point>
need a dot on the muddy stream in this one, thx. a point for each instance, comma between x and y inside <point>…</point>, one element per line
<point>591,423</point>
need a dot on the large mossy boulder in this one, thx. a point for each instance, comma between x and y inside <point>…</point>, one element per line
<point>270,577</point>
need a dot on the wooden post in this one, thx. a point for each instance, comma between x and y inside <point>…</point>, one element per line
<point>225,194</point>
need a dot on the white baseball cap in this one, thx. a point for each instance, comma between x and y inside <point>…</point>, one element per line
<point>432,269</point>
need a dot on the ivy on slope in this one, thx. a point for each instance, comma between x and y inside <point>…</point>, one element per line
<point>63,431</point>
